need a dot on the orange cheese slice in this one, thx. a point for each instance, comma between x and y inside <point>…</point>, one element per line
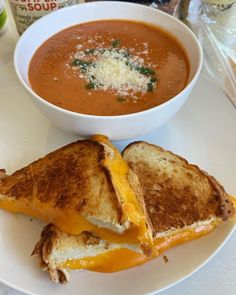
<point>132,210</point>
<point>120,259</point>
<point>67,221</point>
<point>233,200</point>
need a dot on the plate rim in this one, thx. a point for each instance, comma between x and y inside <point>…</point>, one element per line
<point>205,262</point>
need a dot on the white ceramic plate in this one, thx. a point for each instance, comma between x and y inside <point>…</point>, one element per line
<point>203,132</point>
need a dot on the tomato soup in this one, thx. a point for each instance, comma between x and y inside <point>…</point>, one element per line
<point>109,67</point>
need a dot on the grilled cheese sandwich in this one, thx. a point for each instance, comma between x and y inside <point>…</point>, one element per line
<point>183,204</point>
<point>83,186</point>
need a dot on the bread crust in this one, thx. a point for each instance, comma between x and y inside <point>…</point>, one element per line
<point>2,174</point>
<point>43,249</point>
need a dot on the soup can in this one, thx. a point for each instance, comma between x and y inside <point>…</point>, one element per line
<point>25,12</point>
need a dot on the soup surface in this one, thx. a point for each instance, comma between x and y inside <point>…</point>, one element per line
<point>109,67</point>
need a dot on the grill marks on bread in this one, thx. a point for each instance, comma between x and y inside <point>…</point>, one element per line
<point>170,206</point>
<point>72,177</point>
<point>176,193</point>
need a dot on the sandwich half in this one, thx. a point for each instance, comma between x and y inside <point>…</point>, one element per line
<point>183,203</point>
<point>85,186</point>
<point>177,194</point>
<point>58,252</point>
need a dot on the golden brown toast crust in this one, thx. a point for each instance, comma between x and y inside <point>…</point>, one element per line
<point>72,177</point>
<point>176,193</point>
<point>43,249</point>
<point>2,174</point>
<point>51,240</point>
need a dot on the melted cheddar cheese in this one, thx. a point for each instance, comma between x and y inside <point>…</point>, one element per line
<point>120,259</point>
<point>233,200</point>
<point>67,221</point>
<point>111,261</point>
<point>132,210</point>
<point>74,223</point>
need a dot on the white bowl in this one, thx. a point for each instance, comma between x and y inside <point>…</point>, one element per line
<point>116,127</point>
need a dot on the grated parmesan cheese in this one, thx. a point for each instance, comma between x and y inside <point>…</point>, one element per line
<point>114,69</point>
<point>112,72</point>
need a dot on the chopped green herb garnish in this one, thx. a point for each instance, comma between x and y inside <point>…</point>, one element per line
<point>89,51</point>
<point>101,50</point>
<point>128,63</point>
<point>115,43</point>
<point>145,71</point>
<point>153,79</point>
<point>120,99</point>
<point>76,62</point>
<point>150,87</point>
<point>90,86</point>
<point>126,54</point>
<point>81,63</point>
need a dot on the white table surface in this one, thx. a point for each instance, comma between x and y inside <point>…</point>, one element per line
<point>217,277</point>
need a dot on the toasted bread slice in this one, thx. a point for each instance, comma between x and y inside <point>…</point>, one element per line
<point>59,251</point>
<point>177,194</point>
<point>183,202</point>
<point>80,188</point>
